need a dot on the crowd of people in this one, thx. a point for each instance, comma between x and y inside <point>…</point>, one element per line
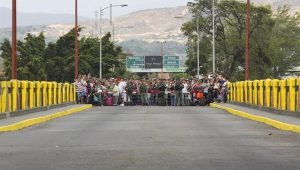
<point>154,92</point>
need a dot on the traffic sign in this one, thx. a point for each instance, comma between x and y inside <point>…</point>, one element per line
<point>171,62</point>
<point>154,62</point>
<point>135,62</point>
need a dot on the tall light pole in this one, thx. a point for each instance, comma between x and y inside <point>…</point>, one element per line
<point>101,14</point>
<point>198,50</point>
<point>247,50</point>
<point>14,41</point>
<point>214,51</point>
<point>198,44</point>
<point>76,38</point>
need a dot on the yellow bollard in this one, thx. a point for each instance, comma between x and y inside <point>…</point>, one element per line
<point>268,92</point>
<point>9,85</point>
<point>71,92</point>
<point>275,93</point>
<point>38,94</point>
<point>31,95</point>
<point>4,94</point>
<point>59,98</point>
<point>229,87</point>
<point>74,93</point>
<point>255,85</point>
<point>292,97</point>
<point>44,93</point>
<point>242,92</point>
<point>234,92</point>
<point>15,89</point>
<point>67,92</point>
<point>49,90</point>
<point>246,94</point>
<point>63,93</point>
<point>283,94</point>
<point>250,85</point>
<point>24,99</point>
<point>54,85</point>
<point>238,89</point>
<point>261,92</point>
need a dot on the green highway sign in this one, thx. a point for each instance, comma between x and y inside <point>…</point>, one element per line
<point>171,62</point>
<point>135,62</point>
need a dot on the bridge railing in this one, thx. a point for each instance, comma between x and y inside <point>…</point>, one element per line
<point>25,95</point>
<point>275,94</point>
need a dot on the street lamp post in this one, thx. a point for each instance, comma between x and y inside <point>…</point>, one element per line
<point>101,14</point>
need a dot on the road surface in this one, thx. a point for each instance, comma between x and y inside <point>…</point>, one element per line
<point>150,138</point>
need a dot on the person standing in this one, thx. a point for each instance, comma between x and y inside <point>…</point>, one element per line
<point>116,93</point>
<point>178,88</point>
<point>143,92</point>
<point>185,93</point>
<point>78,86</point>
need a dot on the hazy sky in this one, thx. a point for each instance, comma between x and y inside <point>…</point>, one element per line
<point>88,7</point>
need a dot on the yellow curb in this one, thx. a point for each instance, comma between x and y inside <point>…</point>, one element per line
<point>268,121</point>
<point>31,122</point>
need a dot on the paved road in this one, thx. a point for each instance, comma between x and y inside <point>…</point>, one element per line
<point>137,138</point>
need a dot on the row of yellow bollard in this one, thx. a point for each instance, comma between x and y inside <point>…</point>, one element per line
<point>23,95</point>
<point>277,94</point>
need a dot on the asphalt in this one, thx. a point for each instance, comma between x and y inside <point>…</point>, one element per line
<point>150,138</point>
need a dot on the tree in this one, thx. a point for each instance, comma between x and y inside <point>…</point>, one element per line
<point>230,37</point>
<point>5,47</point>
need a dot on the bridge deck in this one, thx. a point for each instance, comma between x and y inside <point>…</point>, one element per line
<point>150,138</point>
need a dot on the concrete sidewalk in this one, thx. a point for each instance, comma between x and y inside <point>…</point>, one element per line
<point>12,120</point>
<point>288,118</point>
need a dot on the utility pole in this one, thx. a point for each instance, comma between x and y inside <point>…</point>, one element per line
<point>198,50</point>
<point>100,64</point>
<point>14,40</point>
<point>247,50</point>
<point>76,39</point>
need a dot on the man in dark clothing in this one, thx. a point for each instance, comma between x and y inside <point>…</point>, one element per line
<point>178,88</point>
<point>143,92</point>
<point>129,91</point>
<point>161,86</point>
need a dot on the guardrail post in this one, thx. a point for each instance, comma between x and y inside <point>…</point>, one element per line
<point>64,93</point>
<point>44,93</point>
<point>261,92</point>
<point>4,99</point>
<point>38,94</point>
<point>268,92</point>
<point>31,95</point>
<point>67,92</point>
<point>292,93</point>
<point>234,92</point>
<point>15,86</point>
<point>59,93</point>
<point>54,85</point>
<point>24,98</point>
<point>298,94</point>
<point>255,85</point>
<point>242,91</point>
<point>250,84</point>
<point>49,84</point>
<point>275,93</point>
<point>238,86</point>
<point>246,87</point>
<point>283,94</point>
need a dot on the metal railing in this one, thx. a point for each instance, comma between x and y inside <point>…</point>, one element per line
<point>25,95</point>
<point>276,94</point>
